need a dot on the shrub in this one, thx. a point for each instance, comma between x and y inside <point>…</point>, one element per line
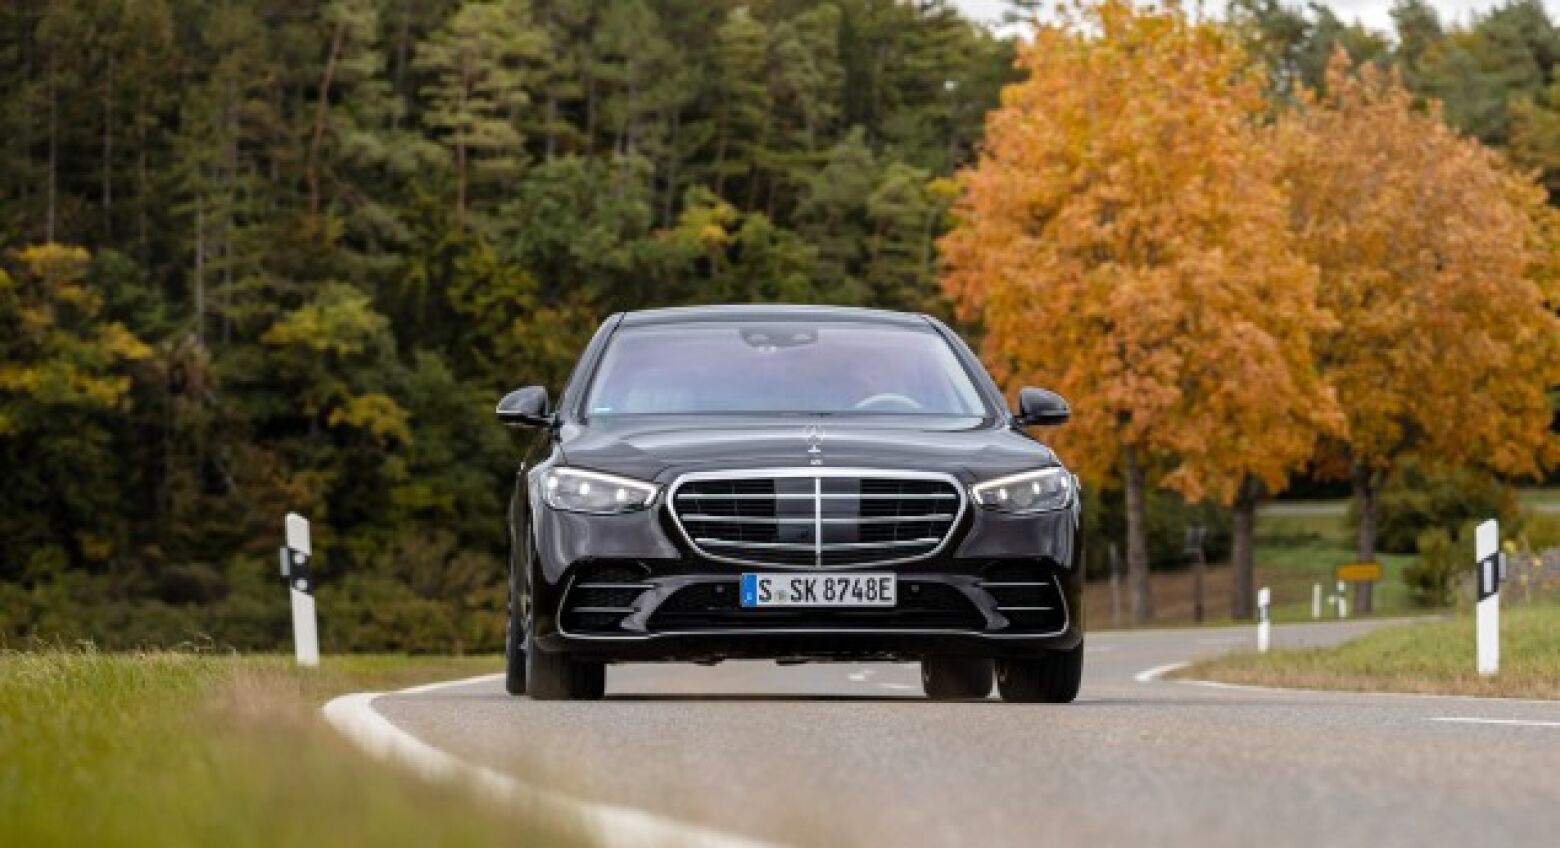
<point>1432,578</point>
<point>1418,497</point>
<point>1541,531</point>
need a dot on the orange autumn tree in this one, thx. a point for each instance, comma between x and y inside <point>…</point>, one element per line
<point>1429,247</point>
<point>1122,240</point>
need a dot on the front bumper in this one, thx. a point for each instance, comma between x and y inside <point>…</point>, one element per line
<point>625,587</point>
<point>993,602</point>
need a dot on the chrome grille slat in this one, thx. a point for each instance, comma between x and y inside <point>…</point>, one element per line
<point>807,546</point>
<point>760,519</point>
<point>816,517</point>
<point>826,496</point>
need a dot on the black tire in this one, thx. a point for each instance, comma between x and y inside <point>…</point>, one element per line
<point>1051,679</point>
<point>955,678</point>
<point>559,677</point>
<point>514,650</point>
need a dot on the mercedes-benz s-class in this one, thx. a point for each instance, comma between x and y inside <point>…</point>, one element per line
<point>799,484</point>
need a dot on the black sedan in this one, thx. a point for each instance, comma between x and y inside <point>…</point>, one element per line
<point>791,483</point>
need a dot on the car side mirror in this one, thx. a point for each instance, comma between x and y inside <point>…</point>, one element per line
<point>1042,407</point>
<point>525,407</point>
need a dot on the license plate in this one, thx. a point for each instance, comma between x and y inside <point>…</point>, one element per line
<point>818,590</point>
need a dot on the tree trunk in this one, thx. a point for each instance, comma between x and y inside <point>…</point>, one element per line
<point>200,268</point>
<point>1243,591</point>
<point>108,150</point>
<point>231,197</point>
<point>402,48</point>
<point>625,130</point>
<point>460,156</point>
<point>590,115</point>
<point>1199,577</point>
<point>720,160</point>
<point>550,133</point>
<point>1365,495</point>
<point>54,121</point>
<point>671,168</point>
<point>1137,537</point>
<point>24,187</point>
<point>321,111</point>
<point>143,179</point>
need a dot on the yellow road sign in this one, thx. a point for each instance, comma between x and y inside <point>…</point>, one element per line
<point>1359,572</point>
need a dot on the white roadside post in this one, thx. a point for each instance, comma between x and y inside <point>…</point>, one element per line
<point>1264,621</point>
<point>300,585</point>
<point>1343,599</point>
<point>1486,543</point>
<point>1316,600</point>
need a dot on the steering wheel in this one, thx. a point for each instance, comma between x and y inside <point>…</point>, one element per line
<point>889,400</point>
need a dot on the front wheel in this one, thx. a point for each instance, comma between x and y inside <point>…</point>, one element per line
<point>955,678</point>
<point>559,677</point>
<point>1051,679</point>
<point>515,648</point>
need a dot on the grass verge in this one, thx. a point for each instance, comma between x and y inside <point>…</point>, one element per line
<point>174,749</point>
<point>1295,552</point>
<point>1432,658</point>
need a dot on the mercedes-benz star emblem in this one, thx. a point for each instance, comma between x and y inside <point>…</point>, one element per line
<point>814,436</point>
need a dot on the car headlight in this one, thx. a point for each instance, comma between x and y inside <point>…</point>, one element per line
<point>1032,491</point>
<point>576,490</point>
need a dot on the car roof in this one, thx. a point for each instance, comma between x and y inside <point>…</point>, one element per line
<point>771,312</point>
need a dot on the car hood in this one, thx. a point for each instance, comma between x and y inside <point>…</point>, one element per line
<point>654,447</point>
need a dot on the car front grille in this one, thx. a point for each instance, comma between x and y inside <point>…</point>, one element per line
<point>817,518</point>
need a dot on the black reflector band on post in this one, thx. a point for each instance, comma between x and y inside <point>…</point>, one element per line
<point>1491,570</point>
<point>299,576</point>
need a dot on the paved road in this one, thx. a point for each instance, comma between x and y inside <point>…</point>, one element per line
<point>850,754</point>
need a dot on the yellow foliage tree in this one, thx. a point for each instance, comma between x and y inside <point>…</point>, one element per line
<point>1434,255</point>
<point>58,351</point>
<point>65,375</point>
<point>1123,240</point>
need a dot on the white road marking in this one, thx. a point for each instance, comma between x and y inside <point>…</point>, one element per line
<point>607,824</point>
<point>1515,722</point>
<point>1344,693</point>
<point>448,684</point>
<point>1241,687</point>
<point>1149,675</point>
<point>860,676</point>
<point>899,686</point>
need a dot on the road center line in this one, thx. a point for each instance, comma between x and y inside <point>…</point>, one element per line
<point>1513,722</point>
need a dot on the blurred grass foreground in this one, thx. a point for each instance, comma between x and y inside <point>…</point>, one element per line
<point>175,749</point>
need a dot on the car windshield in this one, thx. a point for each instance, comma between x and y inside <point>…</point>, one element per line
<point>829,367</point>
